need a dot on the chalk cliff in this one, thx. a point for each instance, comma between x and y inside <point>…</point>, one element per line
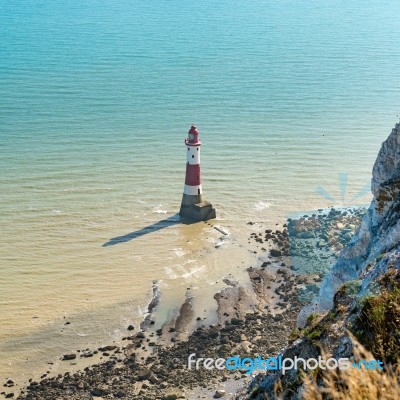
<point>376,244</point>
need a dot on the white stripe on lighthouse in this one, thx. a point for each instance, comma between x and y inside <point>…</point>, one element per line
<point>193,154</point>
<point>192,190</point>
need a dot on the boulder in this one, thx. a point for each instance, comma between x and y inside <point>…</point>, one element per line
<point>144,374</point>
<point>219,393</point>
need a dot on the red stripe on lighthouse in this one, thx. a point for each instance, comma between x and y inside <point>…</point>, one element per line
<point>192,175</point>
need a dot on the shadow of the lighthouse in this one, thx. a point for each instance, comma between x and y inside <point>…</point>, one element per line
<point>193,206</point>
<point>157,226</point>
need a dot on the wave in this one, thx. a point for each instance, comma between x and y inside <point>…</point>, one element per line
<point>262,205</point>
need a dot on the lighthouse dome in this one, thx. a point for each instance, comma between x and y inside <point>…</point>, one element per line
<point>193,135</point>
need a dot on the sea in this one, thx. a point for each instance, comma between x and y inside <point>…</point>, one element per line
<point>292,100</point>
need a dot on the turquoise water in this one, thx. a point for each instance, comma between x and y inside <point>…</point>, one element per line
<point>96,98</point>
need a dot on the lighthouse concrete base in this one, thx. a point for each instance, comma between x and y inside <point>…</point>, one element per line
<point>198,212</point>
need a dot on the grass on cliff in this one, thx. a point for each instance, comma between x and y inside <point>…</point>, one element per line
<point>378,325</point>
<point>378,329</point>
<point>354,383</point>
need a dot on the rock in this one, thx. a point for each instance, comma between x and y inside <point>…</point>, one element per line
<point>172,396</point>
<point>245,347</point>
<point>347,236</point>
<point>306,235</point>
<point>219,393</point>
<point>68,357</point>
<point>272,350</point>
<point>107,348</point>
<point>99,391</point>
<point>131,327</point>
<point>9,395</point>
<point>225,348</point>
<point>144,374</point>
<point>275,253</point>
<point>153,379</point>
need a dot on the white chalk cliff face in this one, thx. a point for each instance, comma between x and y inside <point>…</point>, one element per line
<point>376,244</point>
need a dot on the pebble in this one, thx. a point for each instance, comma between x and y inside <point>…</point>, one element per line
<point>219,393</point>
<point>67,357</point>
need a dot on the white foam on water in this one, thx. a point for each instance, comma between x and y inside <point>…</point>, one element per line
<point>219,243</point>
<point>196,272</point>
<point>170,273</point>
<point>142,310</point>
<point>159,210</point>
<point>179,252</point>
<point>262,205</point>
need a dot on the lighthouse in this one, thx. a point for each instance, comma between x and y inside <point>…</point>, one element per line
<point>193,205</point>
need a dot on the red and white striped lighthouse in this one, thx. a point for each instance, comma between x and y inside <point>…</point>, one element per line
<point>193,205</point>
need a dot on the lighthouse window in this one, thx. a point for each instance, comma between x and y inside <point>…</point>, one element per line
<point>188,149</point>
<point>197,148</point>
<point>198,191</point>
<point>192,156</point>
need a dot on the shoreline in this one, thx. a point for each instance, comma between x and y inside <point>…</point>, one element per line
<point>257,319</point>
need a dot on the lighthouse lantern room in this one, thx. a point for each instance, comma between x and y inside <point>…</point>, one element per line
<point>193,205</point>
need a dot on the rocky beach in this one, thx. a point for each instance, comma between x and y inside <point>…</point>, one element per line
<point>254,320</point>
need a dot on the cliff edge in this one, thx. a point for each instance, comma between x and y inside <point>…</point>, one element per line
<point>376,243</point>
